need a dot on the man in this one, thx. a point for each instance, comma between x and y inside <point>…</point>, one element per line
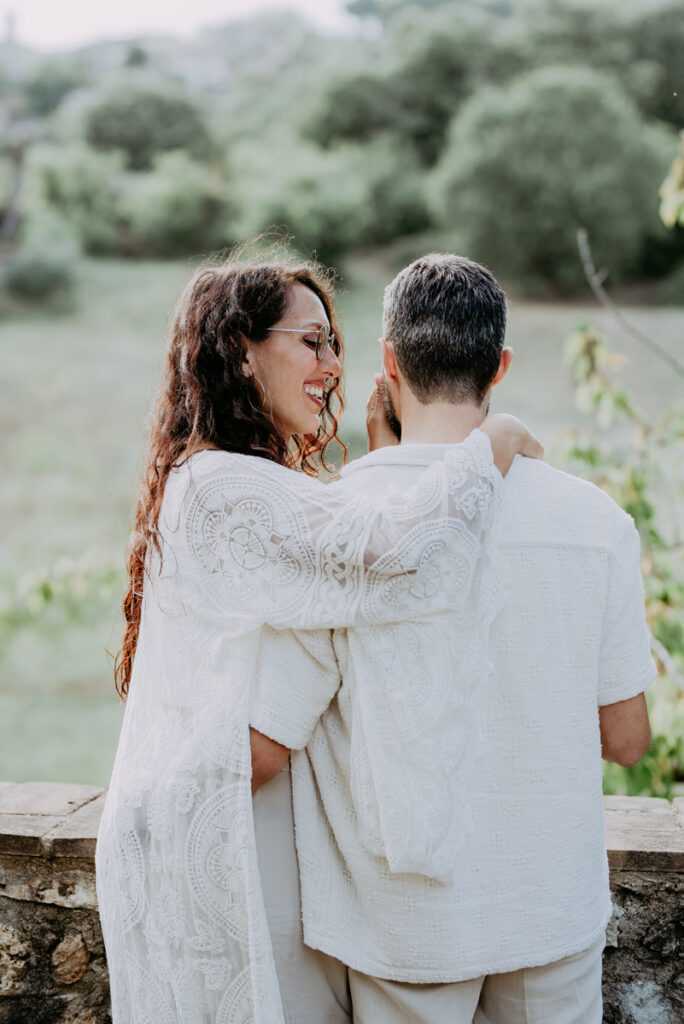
<point>448,807</point>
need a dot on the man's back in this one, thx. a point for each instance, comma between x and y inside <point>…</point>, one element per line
<point>530,881</point>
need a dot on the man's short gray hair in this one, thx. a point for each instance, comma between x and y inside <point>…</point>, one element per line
<point>446,318</point>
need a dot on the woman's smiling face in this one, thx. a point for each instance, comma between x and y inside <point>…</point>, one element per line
<point>286,367</point>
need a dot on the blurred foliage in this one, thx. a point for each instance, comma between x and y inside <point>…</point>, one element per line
<point>672,192</point>
<point>501,124</point>
<point>179,205</point>
<point>136,56</point>
<point>641,47</point>
<point>530,163</point>
<point>142,121</point>
<point>331,201</point>
<point>79,186</point>
<point>71,586</point>
<point>45,89</point>
<point>658,37</point>
<point>55,623</point>
<point>385,10</point>
<point>6,180</point>
<point>42,272</point>
<point>671,289</point>
<point>314,196</point>
<point>415,98</point>
<point>640,463</point>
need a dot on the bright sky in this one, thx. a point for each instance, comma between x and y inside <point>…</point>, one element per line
<point>62,24</point>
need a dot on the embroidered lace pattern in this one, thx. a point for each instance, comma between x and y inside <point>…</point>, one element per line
<point>248,545</point>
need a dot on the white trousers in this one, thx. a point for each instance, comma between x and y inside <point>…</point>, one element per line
<point>313,986</point>
<point>565,992</point>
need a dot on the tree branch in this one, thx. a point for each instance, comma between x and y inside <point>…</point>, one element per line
<point>595,283</point>
<point>667,661</point>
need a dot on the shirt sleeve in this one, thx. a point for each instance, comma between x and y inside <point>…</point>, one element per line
<point>270,546</point>
<point>295,678</point>
<point>626,666</point>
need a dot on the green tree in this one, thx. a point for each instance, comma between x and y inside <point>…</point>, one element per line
<point>142,121</point>
<point>581,32</point>
<point>313,196</point>
<point>136,56</point>
<point>331,201</point>
<point>434,65</point>
<point>357,109</point>
<point>657,36</point>
<point>39,273</point>
<point>430,85</point>
<point>80,188</point>
<point>397,203</point>
<point>385,10</point>
<point>530,163</point>
<point>643,48</point>
<point>45,89</point>
<point>178,208</point>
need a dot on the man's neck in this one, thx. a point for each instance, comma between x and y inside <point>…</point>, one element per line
<point>439,422</point>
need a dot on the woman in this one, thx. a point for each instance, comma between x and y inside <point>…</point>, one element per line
<point>229,541</point>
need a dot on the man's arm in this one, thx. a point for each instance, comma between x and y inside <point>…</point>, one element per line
<point>625,730</point>
<point>296,675</point>
<point>268,757</point>
<point>626,667</point>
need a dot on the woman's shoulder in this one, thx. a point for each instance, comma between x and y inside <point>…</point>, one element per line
<point>213,471</point>
<point>212,480</point>
<point>215,462</point>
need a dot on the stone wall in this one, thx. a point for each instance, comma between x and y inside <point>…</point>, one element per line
<point>52,962</point>
<point>643,964</point>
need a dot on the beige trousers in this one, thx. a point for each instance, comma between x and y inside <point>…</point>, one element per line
<point>314,987</point>
<point>565,992</point>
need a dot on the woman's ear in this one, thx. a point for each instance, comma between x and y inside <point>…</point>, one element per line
<point>248,363</point>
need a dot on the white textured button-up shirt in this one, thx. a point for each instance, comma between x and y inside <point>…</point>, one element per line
<point>508,751</point>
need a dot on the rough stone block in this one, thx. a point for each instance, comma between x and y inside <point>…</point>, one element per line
<point>643,971</point>
<point>70,959</point>
<point>15,951</point>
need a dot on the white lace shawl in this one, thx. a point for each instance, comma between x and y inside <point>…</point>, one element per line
<point>246,544</point>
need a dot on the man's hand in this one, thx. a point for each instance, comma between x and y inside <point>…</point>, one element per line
<point>268,757</point>
<point>510,437</point>
<point>379,432</point>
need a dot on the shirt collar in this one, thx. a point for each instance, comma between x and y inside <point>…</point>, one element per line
<point>398,455</point>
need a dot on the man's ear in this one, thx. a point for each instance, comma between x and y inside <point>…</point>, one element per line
<point>389,360</point>
<point>504,364</point>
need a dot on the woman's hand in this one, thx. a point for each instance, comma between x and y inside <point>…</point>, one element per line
<point>510,437</point>
<point>378,430</point>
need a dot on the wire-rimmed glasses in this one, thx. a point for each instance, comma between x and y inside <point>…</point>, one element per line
<point>319,340</point>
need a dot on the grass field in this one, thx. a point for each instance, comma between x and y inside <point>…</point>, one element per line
<point>75,389</point>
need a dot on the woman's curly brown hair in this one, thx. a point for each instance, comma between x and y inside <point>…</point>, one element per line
<point>206,400</point>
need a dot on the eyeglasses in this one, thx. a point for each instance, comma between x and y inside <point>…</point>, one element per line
<point>319,340</point>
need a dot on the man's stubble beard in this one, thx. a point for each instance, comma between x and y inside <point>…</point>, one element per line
<point>390,412</point>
